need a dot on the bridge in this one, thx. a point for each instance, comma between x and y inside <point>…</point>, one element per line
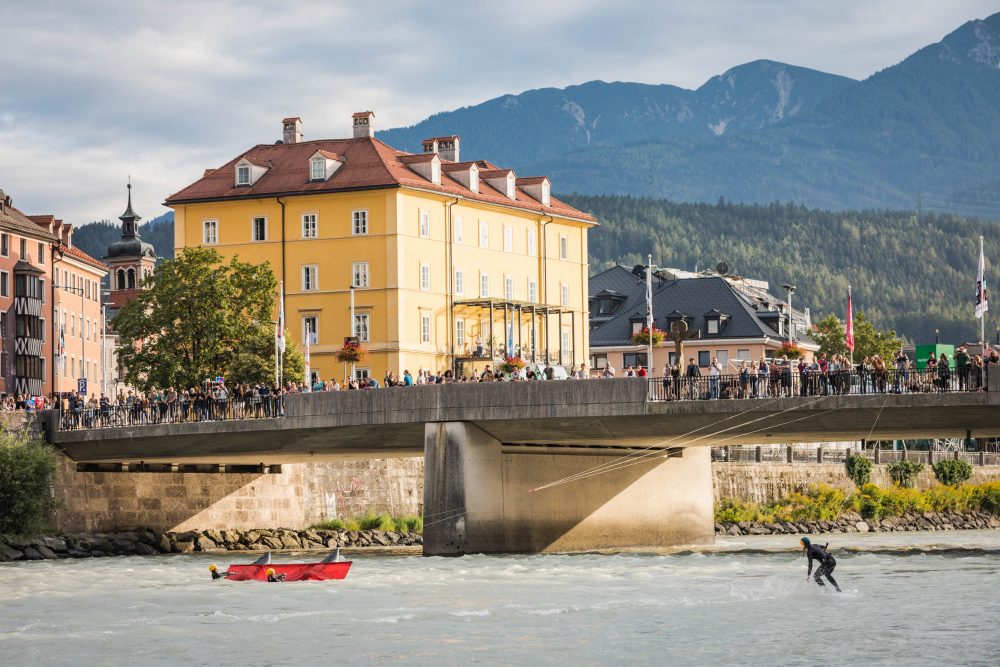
<point>487,446</point>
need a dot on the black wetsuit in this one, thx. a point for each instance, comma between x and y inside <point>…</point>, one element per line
<point>826,564</point>
<point>274,578</point>
<point>218,575</point>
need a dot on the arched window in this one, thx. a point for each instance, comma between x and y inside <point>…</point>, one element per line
<point>121,279</point>
<point>131,278</point>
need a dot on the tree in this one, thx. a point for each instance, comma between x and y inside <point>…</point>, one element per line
<point>198,318</point>
<point>868,341</point>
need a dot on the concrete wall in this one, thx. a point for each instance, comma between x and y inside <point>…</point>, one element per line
<point>295,498</point>
<point>764,482</point>
<point>479,498</point>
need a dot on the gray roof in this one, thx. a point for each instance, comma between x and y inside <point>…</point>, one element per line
<point>693,297</point>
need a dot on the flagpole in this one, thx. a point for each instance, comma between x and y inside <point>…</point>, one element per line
<point>982,314</point>
<point>850,316</point>
<point>649,315</point>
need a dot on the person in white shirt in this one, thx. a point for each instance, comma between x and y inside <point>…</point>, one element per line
<point>609,371</point>
<point>714,372</point>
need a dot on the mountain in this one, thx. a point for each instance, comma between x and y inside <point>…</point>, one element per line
<point>928,127</point>
<point>543,124</point>
<point>907,274</point>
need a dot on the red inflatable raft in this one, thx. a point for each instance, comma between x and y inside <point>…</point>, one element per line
<point>329,568</point>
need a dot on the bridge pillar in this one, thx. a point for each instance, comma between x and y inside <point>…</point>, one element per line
<point>477,500</point>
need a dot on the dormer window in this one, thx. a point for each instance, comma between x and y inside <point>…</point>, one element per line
<point>436,172</point>
<point>715,322</point>
<point>474,180</point>
<point>248,173</point>
<point>323,165</point>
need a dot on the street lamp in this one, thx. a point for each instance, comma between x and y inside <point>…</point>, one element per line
<point>937,336</point>
<point>791,319</point>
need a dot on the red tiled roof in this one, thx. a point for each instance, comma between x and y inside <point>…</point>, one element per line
<point>531,180</point>
<point>457,166</point>
<point>331,156</point>
<point>417,158</point>
<point>362,114</point>
<point>495,173</point>
<point>76,253</point>
<point>290,119</point>
<point>368,164</point>
<point>14,220</point>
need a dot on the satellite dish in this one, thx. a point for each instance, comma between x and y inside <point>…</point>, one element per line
<point>722,269</point>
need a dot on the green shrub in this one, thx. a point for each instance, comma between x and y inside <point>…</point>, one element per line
<point>952,472</point>
<point>26,471</point>
<point>734,511</point>
<point>818,503</point>
<point>986,497</point>
<point>904,473</point>
<point>330,524</point>
<point>377,522</point>
<point>859,468</point>
<point>410,524</point>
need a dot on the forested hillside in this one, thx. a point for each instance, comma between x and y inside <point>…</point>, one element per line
<point>94,238</point>
<point>907,274</point>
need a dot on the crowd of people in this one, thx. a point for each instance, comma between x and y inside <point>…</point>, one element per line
<point>824,375</point>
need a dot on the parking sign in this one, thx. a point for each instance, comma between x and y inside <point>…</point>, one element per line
<point>81,386</point>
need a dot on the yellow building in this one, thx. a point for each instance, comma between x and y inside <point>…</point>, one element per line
<point>446,262</point>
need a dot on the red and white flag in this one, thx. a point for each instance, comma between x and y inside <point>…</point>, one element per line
<point>849,331</point>
<point>981,304</point>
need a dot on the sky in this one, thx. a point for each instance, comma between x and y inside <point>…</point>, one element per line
<point>93,92</point>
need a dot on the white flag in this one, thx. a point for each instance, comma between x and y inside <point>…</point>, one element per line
<point>281,318</point>
<point>981,305</point>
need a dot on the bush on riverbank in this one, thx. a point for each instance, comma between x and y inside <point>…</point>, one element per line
<point>26,470</point>
<point>826,503</point>
<point>952,472</point>
<point>371,521</point>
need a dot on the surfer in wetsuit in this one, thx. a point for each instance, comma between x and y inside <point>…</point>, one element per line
<point>273,578</point>
<point>826,562</point>
<point>215,572</point>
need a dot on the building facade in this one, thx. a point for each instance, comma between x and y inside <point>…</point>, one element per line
<point>49,306</point>
<point>735,319</point>
<point>431,262</point>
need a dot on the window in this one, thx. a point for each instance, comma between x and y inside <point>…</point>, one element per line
<point>508,238</point>
<point>460,333</point>
<point>436,173</point>
<point>41,253</point>
<point>743,355</point>
<point>459,231</point>
<point>425,328</point>
<point>359,271</point>
<point>704,357</point>
<point>359,223</point>
<point>362,373</point>
<point>425,277</point>
<point>459,281</point>
<point>41,329</point>
<point>563,247</point>
<point>310,329</point>
<point>24,250</point>
<point>361,326</point>
<point>317,169</point>
<point>713,326</point>
<point>564,293</point>
<point>484,285</point>
<point>4,283</point>
<point>474,180</point>
<point>243,175</point>
<point>508,288</point>
<point>532,291</point>
<point>210,232</point>
<point>310,278</point>
<point>723,356</point>
<point>484,234</point>
<point>120,278</point>
<point>41,289</point>
<point>131,278</point>
<point>258,229</point>
<point>532,242</point>
<point>598,362</point>
<point>425,224</point>
<point>634,359</point>
<point>309,226</point>
<point>4,245</point>
<point>567,342</point>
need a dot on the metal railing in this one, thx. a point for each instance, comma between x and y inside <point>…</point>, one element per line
<point>179,412</point>
<point>785,383</point>
<point>820,454</point>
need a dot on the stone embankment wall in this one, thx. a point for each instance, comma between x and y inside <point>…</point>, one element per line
<point>146,542</point>
<point>852,522</point>
<point>764,482</point>
<point>298,496</point>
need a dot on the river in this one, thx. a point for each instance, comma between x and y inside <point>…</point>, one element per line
<point>909,598</point>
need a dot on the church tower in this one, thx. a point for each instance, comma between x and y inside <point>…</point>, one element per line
<point>130,258</point>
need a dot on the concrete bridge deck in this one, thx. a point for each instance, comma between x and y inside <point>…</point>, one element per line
<point>596,416</point>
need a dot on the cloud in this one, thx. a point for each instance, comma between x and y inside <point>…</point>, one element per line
<point>92,92</point>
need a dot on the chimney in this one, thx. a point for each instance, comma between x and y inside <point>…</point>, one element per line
<point>3,202</point>
<point>364,124</point>
<point>291,130</point>
<point>446,146</point>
